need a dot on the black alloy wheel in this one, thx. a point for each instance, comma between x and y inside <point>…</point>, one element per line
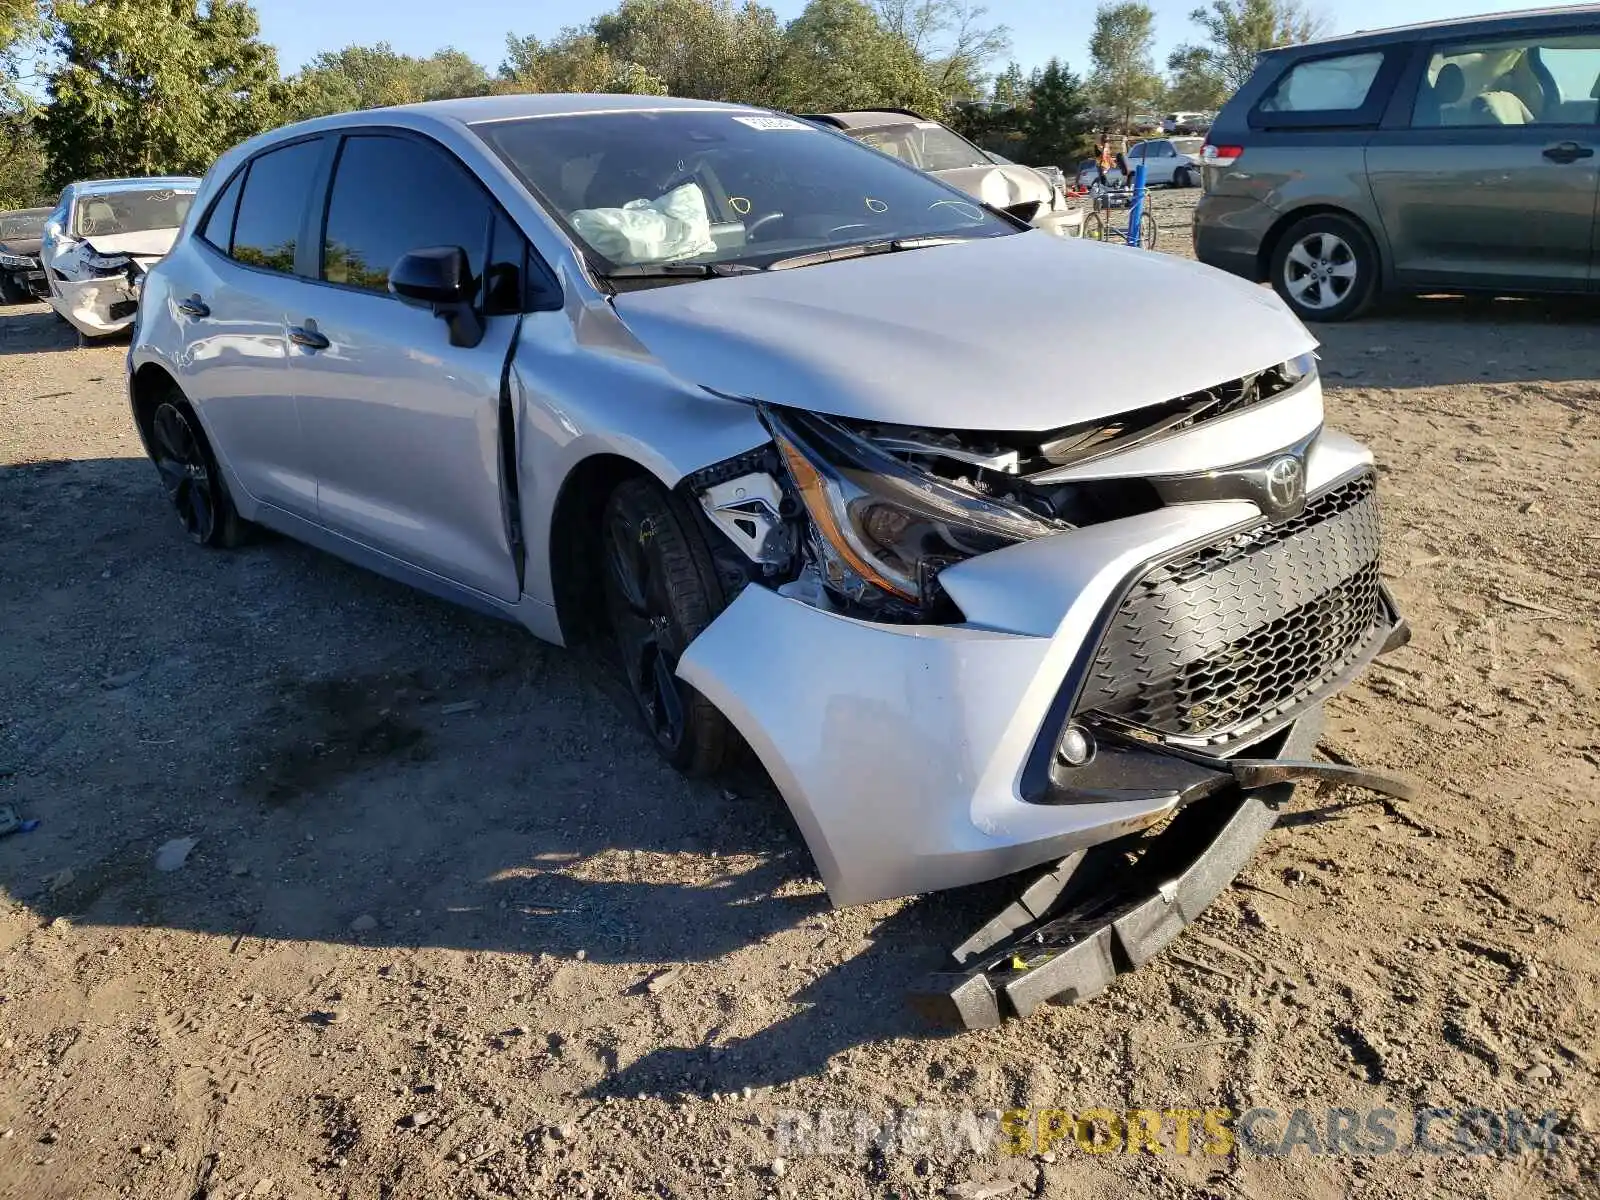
<point>189,474</point>
<point>661,591</point>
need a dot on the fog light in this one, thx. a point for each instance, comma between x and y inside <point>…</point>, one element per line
<point>1076,747</point>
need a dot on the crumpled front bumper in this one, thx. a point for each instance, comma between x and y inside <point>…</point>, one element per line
<point>97,307</point>
<point>901,750</point>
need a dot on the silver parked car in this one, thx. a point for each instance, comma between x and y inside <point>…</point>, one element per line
<point>793,423</point>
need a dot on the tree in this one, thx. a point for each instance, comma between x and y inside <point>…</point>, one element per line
<point>1056,124</point>
<point>1010,87</point>
<point>359,77</point>
<point>1236,32</point>
<point>574,62</point>
<point>1124,76</point>
<point>837,55</point>
<point>1193,83</point>
<point>707,49</point>
<point>149,87</point>
<point>950,37</point>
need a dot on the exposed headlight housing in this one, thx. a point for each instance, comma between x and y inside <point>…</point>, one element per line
<point>106,264</point>
<point>882,530</point>
<point>1299,367</point>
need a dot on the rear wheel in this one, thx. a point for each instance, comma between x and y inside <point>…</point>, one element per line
<point>661,592</point>
<point>1325,268</point>
<point>1184,178</point>
<point>189,473</point>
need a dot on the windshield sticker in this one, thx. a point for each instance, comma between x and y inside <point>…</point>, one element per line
<point>927,125</point>
<point>772,123</point>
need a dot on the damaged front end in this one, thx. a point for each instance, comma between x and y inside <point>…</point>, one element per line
<point>97,293</point>
<point>982,651</point>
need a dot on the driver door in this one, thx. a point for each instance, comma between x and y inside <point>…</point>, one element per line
<point>403,428</point>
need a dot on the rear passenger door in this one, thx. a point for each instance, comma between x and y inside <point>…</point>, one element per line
<point>233,286</point>
<point>1486,174</point>
<point>404,428</point>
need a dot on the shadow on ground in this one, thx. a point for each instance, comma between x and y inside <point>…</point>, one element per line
<point>359,763</point>
<point>33,328</point>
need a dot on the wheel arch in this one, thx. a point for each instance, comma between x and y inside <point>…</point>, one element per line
<point>146,386</point>
<point>574,541</point>
<point>1286,222</point>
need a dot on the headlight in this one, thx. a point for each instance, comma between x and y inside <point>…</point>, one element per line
<point>18,262</point>
<point>1299,367</point>
<point>884,529</point>
<point>106,264</point>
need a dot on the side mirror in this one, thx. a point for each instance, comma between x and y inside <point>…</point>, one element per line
<point>440,278</point>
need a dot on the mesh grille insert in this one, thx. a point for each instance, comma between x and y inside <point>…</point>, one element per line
<point>1241,632</point>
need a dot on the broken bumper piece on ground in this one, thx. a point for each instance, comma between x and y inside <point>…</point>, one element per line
<point>1079,924</point>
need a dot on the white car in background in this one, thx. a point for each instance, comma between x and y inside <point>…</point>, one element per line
<point>1173,160</point>
<point>1038,196</point>
<point>102,238</point>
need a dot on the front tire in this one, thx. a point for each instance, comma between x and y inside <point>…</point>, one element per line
<point>1326,268</point>
<point>661,592</point>
<point>13,290</point>
<point>189,473</point>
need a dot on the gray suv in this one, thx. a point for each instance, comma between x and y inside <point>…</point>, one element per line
<point>1457,156</point>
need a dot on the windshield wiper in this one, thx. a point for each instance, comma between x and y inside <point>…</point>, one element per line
<point>677,270</point>
<point>862,250</point>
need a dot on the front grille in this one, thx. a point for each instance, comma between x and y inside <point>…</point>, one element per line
<point>1232,638</point>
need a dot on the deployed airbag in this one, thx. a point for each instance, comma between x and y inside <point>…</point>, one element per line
<point>669,227</point>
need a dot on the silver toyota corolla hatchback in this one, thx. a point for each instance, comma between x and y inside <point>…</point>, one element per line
<point>805,431</point>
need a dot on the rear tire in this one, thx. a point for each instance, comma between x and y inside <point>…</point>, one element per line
<point>1184,178</point>
<point>661,591</point>
<point>1326,268</point>
<point>190,475</point>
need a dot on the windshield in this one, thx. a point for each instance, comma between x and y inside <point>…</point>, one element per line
<point>23,226</point>
<point>102,214</point>
<point>925,144</point>
<point>718,186</point>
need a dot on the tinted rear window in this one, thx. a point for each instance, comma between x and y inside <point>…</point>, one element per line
<point>272,205</point>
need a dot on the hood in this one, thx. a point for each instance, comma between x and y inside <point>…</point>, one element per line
<point>999,185</point>
<point>28,246</point>
<point>1025,332</point>
<point>146,243</point>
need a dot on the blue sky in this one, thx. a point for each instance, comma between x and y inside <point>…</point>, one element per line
<point>1040,28</point>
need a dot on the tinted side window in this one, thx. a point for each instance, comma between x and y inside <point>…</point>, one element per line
<point>1338,84</point>
<point>218,227</point>
<point>271,206</point>
<point>393,195</point>
<point>1517,81</point>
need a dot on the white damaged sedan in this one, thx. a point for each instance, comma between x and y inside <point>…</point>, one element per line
<point>101,239</point>
<point>800,430</point>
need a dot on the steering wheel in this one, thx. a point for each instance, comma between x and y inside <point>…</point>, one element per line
<point>967,207</point>
<point>763,219</point>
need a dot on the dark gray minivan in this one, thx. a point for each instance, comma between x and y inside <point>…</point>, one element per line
<point>1456,156</point>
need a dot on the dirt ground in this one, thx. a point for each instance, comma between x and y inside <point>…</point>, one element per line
<point>417,948</point>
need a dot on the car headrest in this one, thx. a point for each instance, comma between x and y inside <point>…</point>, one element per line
<point>1451,84</point>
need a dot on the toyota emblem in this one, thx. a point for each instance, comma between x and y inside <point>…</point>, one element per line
<point>1286,485</point>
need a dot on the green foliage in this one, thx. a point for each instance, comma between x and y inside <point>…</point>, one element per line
<point>1124,77</point>
<point>1056,127</point>
<point>374,76</point>
<point>1204,75</point>
<point>22,166</point>
<point>147,87</point>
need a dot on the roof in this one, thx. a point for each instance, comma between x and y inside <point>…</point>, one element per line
<point>1484,23</point>
<point>89,187</point>
<point>473,110</point>
<point>866,118</point>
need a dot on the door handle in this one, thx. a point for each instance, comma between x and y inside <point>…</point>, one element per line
<point>308,336</point>
<point>194,307</point>
<point>1567,152</point>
